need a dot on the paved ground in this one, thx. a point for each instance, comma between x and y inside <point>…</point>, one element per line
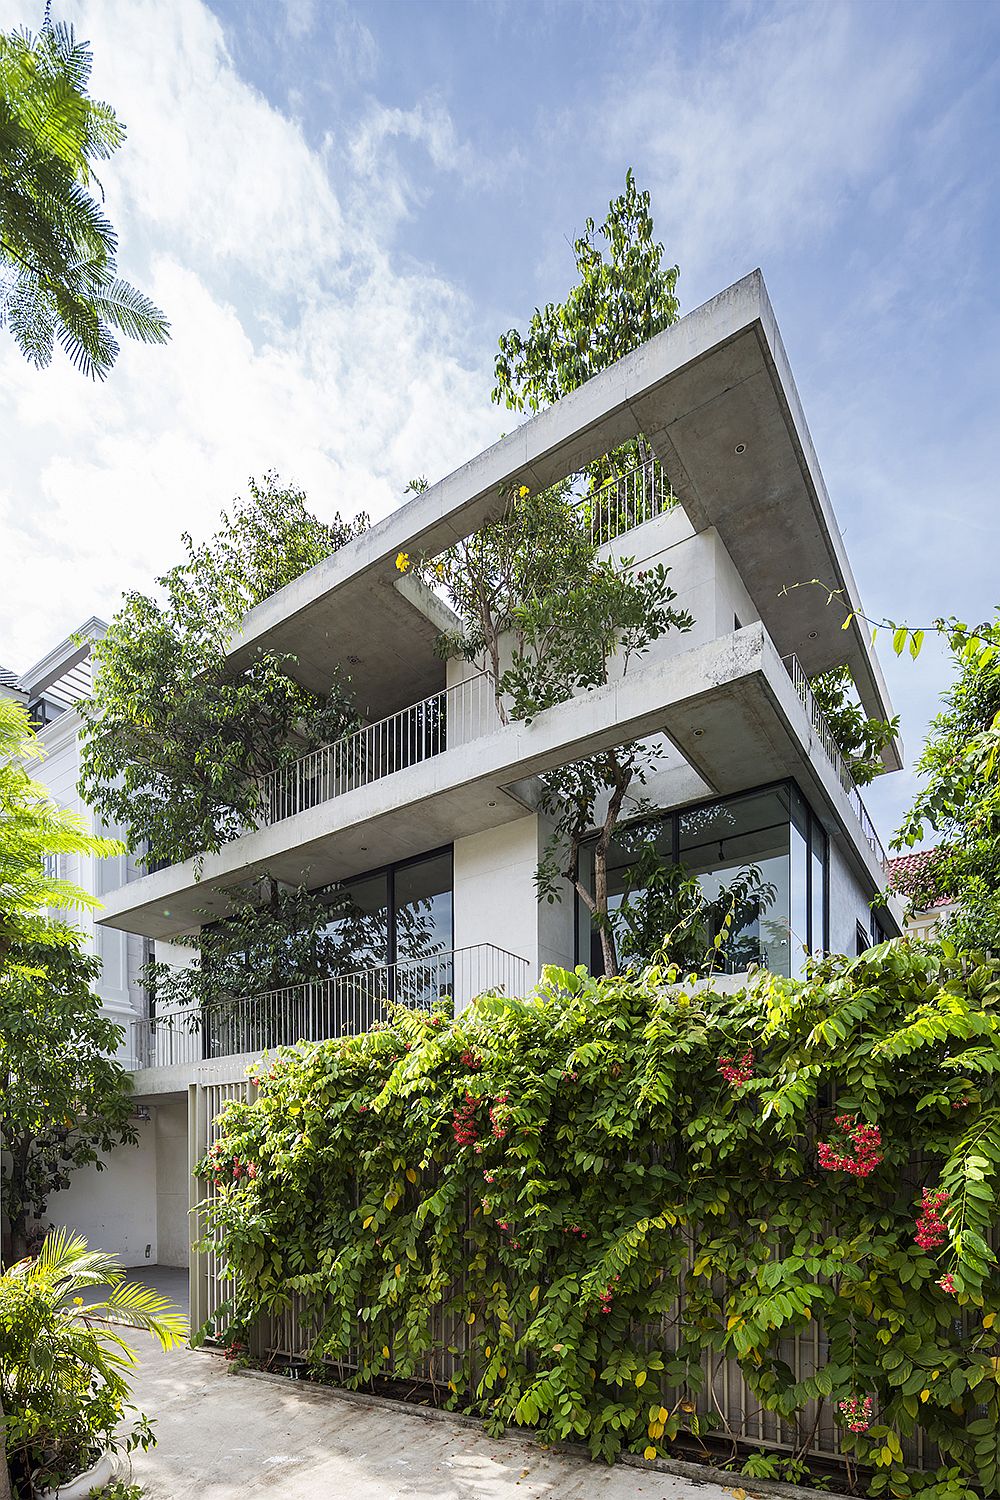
<point>223,1437</point>
<point>168,1280</point>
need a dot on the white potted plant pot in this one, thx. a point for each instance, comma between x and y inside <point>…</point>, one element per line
<point>98,1475</point>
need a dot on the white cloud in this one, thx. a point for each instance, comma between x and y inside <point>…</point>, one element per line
<point>298,343</point>
<point>758,143</point>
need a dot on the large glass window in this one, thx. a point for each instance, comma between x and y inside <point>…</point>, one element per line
<point>763,850</point>
<point>396,915</point>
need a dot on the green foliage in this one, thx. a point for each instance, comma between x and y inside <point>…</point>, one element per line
<point>176,736</point>
<point>273,938</point>
<point>959,800</point>
<point>617,304</point>
<point>33,828</point>
<point>665,915</point>
<point>57,246</point>
<point>63,1097</point>
<point>64,1372</point>
<point>545,616</point>
<point>570,1185</point>
<point>860,739</point>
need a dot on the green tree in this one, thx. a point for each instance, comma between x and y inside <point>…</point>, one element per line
<point>63,1098</point>
<point>58,275</point>
<point>860,739</point>
<point>959,801</point>
<point>569,625</point>
<point>33,830</point>
<point>63,1373</point>
<point>623,296</point>
<point>175,738</point>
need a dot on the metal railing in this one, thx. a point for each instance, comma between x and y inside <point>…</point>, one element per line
<point>438,723</point>
<point>824,734</point>
<point>343,1005</point>
<point>628,501</point>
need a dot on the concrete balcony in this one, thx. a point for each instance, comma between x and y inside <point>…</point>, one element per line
<point>175,1043</point>
<point>729,706</point>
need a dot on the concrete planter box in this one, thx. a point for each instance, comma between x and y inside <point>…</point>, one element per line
<point>101,1473</point>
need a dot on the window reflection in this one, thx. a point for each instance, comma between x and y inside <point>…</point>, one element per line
<point>765,846</point>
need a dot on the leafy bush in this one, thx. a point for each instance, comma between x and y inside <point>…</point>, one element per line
<point>63,1371</point>
<point>557,1175</point>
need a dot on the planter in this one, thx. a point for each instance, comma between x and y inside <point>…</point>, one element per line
<point>101,1473</point>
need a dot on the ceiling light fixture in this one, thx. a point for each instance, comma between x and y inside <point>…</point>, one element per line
<point>740,448</point>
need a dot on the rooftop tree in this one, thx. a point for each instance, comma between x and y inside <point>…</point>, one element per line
<point>58,274</point>
<point>175,737</point>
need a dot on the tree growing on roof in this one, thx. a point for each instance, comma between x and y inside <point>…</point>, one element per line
<point>176,738</point>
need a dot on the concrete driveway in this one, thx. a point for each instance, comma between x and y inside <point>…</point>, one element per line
<point>223,1437</point>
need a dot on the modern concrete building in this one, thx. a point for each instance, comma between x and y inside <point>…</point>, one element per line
<point>428,817</point>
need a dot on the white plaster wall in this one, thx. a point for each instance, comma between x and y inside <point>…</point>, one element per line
<point>494,900</point>
<point>849,903</point>
<point>115,1208</point>
<point>171,1122</point>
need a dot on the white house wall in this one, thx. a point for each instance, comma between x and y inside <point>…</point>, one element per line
<point>116,1208</point>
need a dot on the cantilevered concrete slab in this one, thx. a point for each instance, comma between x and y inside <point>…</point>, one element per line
<point>715,395</point>
<point>729,705</point>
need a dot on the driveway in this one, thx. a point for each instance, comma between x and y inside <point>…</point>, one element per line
<point>224,1436</point>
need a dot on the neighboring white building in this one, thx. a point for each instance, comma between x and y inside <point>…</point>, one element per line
<point>116,1208</point>
<point>428,816</point>
<point>51,690</point>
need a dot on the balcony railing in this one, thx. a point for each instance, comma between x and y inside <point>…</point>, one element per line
<point>825,736</point>
<point>344,1005</point>
<point>438,723</point>
<point>628,501</point>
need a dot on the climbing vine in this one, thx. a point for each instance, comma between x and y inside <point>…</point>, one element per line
<point>605,1188</point>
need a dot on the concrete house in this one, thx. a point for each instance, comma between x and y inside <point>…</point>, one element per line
<point>428,817</point>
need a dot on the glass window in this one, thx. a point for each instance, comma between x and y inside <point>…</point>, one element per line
<point>817,887</point>
<point>798,922</point>
<point>723,842</point>
<point>359,923</point>
<point>423,929</point>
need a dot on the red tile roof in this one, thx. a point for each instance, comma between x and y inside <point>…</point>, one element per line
<point>905,870</point>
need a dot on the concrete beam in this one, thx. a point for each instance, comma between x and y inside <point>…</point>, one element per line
<point>736,684</point>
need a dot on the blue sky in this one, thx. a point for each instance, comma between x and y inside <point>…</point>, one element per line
<point>341,205</point>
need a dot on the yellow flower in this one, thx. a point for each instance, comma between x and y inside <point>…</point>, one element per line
<point>402,561</point>
<point>524,491</point>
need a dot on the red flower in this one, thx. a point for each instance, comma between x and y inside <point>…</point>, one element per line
<point>737,1073</point>
<point>858,1412</point>
<point>865,1152</point>
<point>463,1121</point>
<point>947,1284</point>
<point>932,1231</point>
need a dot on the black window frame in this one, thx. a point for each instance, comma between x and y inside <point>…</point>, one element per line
<point>788,784</point>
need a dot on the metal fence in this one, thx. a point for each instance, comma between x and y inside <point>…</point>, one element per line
<point>343,1005</point>
<point>438,723</point>
<point>824,734</point>
<point>724,1393</point>
<point>627,501</point>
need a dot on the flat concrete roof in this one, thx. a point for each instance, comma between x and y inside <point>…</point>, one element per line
<point>715,396</point>
<point>728,705</point>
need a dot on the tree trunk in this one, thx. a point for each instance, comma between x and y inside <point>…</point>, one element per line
<point>621,778</point>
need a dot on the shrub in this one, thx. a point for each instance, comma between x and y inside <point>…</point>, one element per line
<point>63,1370</point>
<point>561,1172</point>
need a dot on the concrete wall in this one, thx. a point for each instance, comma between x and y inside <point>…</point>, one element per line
<point>172,1182</point>
<point>116,1208</point>
<point>494,899</point>
<point>849,903</point>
